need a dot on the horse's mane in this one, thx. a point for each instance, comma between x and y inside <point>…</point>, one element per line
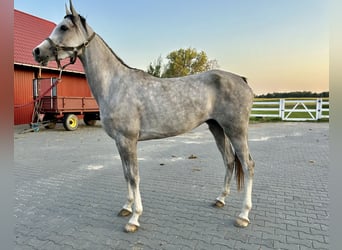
<point>116,56</point>
<point>244,79</point>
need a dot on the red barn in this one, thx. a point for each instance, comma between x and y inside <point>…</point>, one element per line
<point>29,31</point>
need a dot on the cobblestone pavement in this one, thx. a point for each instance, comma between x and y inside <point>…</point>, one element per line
<point>70,186</point>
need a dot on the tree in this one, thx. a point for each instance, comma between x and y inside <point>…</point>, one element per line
<point>182,62</point>
<point>155,68</point>
<point>296,94</point>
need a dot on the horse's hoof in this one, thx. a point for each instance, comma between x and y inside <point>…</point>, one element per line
<point>130,228</point>
<point>218,204</point>
<point>124,213</point>
<point>240,222</point>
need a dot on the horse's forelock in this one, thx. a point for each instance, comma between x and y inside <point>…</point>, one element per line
<point>72,18</point>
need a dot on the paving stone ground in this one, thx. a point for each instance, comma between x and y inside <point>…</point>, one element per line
<point>70,186</point>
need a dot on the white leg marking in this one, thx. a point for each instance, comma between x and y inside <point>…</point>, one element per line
<point>247,203</point>
<point>130,198</point>
<point>138,208</point>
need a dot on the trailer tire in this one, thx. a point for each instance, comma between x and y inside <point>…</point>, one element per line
<point>89,120</point>
<point>70,122</point>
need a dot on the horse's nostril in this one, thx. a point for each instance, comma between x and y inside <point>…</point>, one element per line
<point>37,51</point>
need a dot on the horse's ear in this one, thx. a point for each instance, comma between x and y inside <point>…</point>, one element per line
<point>73,11</point>
<point>67,11</point>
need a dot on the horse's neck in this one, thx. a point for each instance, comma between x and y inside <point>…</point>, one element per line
<point>103,69</point>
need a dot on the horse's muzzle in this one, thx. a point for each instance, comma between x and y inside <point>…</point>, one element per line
<point>42,60</point>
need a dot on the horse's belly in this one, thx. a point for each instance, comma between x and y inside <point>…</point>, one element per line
<point>170,124</point>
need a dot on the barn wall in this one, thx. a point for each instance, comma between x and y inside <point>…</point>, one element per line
<point>71,85</point>
<point>22,95</point>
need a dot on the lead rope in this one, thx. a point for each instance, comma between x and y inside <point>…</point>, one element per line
<point>61,68</point>
<point>60,74</point>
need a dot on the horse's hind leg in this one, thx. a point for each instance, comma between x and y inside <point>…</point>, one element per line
<point>226,150</point>
<point>238,137</point>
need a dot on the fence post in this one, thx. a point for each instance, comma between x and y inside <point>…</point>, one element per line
<point>282,108</point>
<point>319,107</point>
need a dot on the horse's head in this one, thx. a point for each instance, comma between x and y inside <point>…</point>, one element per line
<point>67,40</point>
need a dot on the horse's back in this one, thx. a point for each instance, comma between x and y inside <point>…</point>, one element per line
<point>228,81</point>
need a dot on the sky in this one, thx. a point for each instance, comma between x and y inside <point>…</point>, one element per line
<point>279,46</point>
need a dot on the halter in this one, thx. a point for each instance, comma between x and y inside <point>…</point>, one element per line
<point>56,48</point>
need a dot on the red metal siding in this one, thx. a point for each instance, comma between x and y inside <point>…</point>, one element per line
<point>74,86</point>
<point>23,95</point>
<point>71,85</point>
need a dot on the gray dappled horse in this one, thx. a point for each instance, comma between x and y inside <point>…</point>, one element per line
<point>136,106</point>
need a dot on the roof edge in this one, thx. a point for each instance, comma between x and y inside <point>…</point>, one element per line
<point>35,17</point>
<point>48,68</point>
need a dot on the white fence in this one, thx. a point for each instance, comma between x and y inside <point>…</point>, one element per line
<point>292,110</point>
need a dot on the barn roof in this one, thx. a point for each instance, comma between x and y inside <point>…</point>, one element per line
<point>29,31</point>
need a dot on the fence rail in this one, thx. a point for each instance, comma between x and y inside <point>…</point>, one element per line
<point>292,110</point>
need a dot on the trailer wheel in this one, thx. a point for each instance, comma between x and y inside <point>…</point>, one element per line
<point>70,122</point>
<point>89,120</point>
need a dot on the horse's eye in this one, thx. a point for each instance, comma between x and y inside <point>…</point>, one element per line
<point>64,28</point>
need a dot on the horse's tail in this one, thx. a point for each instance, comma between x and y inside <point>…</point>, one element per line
<point>239,174</point>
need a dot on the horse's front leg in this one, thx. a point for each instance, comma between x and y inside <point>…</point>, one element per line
<point>128,153</point>
<point>127,208</point>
